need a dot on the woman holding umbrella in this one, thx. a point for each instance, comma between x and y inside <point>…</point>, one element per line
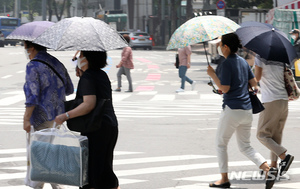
<point>94,84</point>
<point>233,79</point>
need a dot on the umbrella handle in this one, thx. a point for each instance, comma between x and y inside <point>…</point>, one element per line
<point>205,53</point>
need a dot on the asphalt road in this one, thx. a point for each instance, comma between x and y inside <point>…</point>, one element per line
<point>166,139</point>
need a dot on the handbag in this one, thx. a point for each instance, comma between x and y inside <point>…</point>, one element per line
<point>177,61</point>
<point>257,106</point>
<point>59,156</point>
<point>290,84</point>
<point>86,123</point>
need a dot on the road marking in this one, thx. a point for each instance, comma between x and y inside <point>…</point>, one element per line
<point>7,76</point>
<point>194,186</point>
<point>144,88</point>
<point>120,97</point>
<point>22,71</point>
<point>164,169</point>
<point>294,185</point>
<point>11,100</point>
<point>12,151</point>
<point>143,60</point>
<point>160,159</point>
<point>153,67</point>
<point>147,93</point>
<point>153,77</point>
<point>163,97</point>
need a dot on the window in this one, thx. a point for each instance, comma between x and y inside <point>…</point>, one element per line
<point>9,22</point>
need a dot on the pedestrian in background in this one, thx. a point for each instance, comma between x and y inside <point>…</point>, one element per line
<point>233,79</point>
<point>94,84</point>
<point>125,65</point>
<point>272,120</point>
<point>295,36</point>
<point>184,64</point>
<point>45,88</point>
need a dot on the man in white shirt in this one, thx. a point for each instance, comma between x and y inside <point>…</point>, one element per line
<point>272,120</point>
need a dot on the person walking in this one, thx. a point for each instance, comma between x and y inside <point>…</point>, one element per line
<point>94,84</point>
<point>184,64</point>
<point>233,79</point>
<point>272,120</point>
<point>46,86</point>
<point>125,65</point>
<point>295,36</point>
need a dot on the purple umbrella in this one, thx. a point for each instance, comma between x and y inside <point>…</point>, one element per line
<point>30,31</point>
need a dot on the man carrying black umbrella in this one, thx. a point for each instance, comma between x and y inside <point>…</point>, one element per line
<point>295,36</point>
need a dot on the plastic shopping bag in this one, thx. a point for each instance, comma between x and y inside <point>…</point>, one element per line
<point>59,156</point>
<point>28,181</point>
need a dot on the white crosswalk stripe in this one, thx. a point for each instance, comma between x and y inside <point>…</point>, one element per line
<point>147,165</point>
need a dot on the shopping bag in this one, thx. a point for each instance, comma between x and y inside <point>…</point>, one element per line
<point>28,181</point>
<point>59,156</point>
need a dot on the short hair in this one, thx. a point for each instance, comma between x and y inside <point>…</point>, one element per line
<point>96,59</point>
<point>127,38</point>
<point>232,41</point>
<point>35,46</point>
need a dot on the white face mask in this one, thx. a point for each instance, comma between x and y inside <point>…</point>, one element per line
<point>26,53</point>
<point>79,64</point>
<point>293,37</point>
<point>220,51</point>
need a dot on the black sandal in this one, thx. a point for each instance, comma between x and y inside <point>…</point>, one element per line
<point>223,185</point>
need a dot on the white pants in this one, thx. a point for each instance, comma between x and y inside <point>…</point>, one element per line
<point>238,120</point>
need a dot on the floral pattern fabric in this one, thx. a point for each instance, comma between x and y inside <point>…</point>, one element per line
<point>201,29</point>
<point>44,89</point>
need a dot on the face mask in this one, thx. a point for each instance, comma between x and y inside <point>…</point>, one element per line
<point>220,51</point>
<point>26,53</point>
<point>79,64</point>
<point>293,37</point>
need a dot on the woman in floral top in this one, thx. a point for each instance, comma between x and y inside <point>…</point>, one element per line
<point>45,91</point>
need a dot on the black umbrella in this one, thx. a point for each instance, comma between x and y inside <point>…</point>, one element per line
<point>268,42</point>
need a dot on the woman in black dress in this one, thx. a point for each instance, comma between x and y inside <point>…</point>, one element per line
<point>94,84</point>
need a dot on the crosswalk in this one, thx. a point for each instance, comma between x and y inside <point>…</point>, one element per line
<point>133,170</point>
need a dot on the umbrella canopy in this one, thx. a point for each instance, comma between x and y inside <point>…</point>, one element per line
<point>81,33</point>
<point>30,31</point>
<point>266,41</point>
<point>201,29</point>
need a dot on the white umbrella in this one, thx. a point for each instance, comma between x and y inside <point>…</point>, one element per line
<point>81,33</point>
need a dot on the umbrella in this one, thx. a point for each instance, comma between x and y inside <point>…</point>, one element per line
<point>81,33</point>
<point>201,29</point>
<point>266,41</point>
<point>30,31</point>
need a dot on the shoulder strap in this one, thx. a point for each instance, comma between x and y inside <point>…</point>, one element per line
<point>50,68</point>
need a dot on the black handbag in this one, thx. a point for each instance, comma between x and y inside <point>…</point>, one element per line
<point>257,106</point>
<point>177,61</point>
<point>86,123</point>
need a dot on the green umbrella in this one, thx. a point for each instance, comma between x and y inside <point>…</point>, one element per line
<point>201,29</point>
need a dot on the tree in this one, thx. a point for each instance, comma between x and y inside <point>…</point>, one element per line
<point>59,6</point>
<point>50,12</point>
<point>174,16</point>
<point>189,10</point>
<point>84,7</point>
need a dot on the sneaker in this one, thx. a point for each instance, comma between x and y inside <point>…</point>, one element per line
<point>193,85</point>
<point>285,164</point>
<point>117,90</point>
<point>271,177</point>
<point>179,90</point>
<point>128,91</point>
